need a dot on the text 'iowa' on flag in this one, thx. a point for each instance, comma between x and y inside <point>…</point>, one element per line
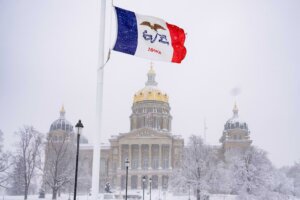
<point>149,37</point>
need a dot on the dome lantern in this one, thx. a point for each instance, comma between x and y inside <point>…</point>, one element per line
<point>62,112</point>
<point>151,77</point>
<point>235,110</point>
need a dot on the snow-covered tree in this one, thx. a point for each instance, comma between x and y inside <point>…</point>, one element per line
<point>252,172</point>
<point>281,183</point>
<point>220,179</point>
<point>17,184</point>
<point>5,163</point>
<point>196,167</point>
<point>27,158</point>
<point>294,174</point>
<point>59,162</point>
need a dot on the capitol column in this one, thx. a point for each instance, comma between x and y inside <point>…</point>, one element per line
<point>120,156</point>
<point>140,157</point>
<point>129,155</point>
<point>159,157</point>
<point>150,156</point>
<point>170,156</point>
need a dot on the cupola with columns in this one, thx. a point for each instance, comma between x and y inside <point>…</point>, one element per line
<point>150,107</point>
<point>236,135</point>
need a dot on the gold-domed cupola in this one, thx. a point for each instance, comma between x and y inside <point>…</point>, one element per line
<point>151,107</point>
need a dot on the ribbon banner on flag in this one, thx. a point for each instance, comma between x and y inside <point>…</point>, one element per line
<point>149,37</point>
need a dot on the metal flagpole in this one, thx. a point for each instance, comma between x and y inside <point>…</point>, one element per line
<point>99,100</point>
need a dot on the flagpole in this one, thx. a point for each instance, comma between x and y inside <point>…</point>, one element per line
<point>99,102</point>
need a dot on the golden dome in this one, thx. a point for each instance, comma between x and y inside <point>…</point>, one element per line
<point>150,92</point>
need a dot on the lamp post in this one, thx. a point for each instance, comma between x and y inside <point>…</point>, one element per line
<point>79,127</point>
<point>189,184</point>
<point>144,180</point>
<point>150,183</point>
<point>126,165</point>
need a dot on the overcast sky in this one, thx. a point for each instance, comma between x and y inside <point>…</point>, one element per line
<point>48,57</point>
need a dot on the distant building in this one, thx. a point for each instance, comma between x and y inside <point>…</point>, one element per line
<point>236,134</point>
<point>60,150</point>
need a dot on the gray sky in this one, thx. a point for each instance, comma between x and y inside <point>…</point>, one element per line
<point>48,57</point>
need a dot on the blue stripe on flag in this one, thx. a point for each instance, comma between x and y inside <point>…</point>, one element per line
<point>127,31</point>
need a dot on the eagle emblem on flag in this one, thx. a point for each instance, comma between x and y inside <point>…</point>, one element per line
<point>153,27</point>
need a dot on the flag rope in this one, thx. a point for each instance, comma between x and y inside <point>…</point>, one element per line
<point>108,58</point>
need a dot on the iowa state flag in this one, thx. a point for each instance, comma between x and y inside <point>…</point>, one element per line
<point>149,37</point>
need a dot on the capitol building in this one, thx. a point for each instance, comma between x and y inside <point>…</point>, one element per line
<point>151,148</point>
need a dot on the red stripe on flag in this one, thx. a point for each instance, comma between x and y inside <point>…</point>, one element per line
<point>178,38</point>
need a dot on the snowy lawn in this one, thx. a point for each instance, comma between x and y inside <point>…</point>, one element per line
<point>155,196</point>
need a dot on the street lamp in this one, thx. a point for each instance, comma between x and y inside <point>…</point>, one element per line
<point>144,180</point>
<point>150,182</point>
<point>79,127</point>
<point>126,165</point>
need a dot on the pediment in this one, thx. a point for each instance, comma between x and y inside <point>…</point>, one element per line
<point>145,133</point>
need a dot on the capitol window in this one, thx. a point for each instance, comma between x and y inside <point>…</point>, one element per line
<point>134,164</point>
<point>145,164</point>
<point>165,164</point>
<point>155,163</point>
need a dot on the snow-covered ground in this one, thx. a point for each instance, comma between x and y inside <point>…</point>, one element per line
<point>155,196</point>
